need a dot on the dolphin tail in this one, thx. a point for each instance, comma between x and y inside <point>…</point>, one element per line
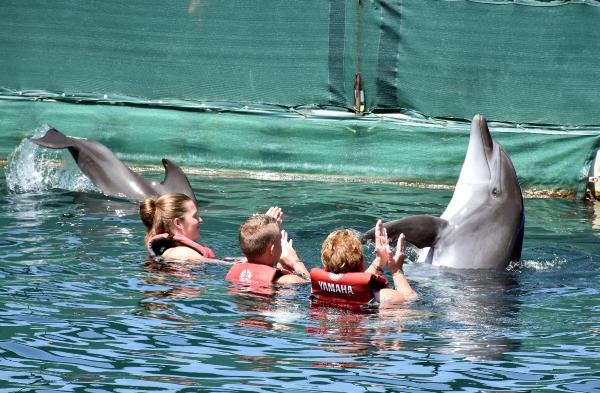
<point>54,139</point>
<point>421,230</point>
<point>175,180</point>
<point>91,156</point>
<point>111,175</point>
<point>99,164</point>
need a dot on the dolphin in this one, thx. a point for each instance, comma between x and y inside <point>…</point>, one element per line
<point>109,174</point>
<point>483,225</point>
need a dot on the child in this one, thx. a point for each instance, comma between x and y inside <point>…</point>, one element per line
<point>270,256</point>
<point>344,279</point>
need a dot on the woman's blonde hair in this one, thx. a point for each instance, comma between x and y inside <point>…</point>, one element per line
<point>157,213</point>
<point>342,252</point>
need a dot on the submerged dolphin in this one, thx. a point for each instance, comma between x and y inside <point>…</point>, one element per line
<point>483,225</point>
<point>109,174</point>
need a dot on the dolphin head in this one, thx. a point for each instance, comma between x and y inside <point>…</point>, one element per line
<point>487,174</point>
<point>487,206</point>
<point>486,160</point>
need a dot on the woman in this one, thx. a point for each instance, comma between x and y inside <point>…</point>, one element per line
<point>173,228</point>
<point>344,279</point>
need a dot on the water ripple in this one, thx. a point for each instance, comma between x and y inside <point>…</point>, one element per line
<point>80,310</point>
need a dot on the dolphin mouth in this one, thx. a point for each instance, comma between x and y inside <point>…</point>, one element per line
<point>495,171</point>
<point>480,160</point>
<point>491,154</point>
<point>484,132</point>
<point>490,150</point>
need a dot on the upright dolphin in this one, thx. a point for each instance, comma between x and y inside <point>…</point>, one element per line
<point>109,174</point>
<point>483,225</point>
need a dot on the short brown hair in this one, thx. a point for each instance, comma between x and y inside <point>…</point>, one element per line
<point>256,234</point>
<point>342,252</point>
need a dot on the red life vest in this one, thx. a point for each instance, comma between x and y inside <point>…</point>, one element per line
<point>348,288</point>
<point>253,274</point>
<point>160,243</point>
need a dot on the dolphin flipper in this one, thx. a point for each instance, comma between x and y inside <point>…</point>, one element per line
<point>109,174</point>
<point>421,230</point>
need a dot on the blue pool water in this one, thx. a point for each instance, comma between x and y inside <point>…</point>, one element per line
<point>80,310</point>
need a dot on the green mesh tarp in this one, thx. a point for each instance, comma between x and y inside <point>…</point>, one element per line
<point>516,61</point>
<point>519,61</point>
<point>227,84</point>
<point>365,149</point>
<point>274,52</point>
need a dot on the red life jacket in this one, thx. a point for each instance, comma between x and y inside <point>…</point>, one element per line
<point>348,288</point>
<point>160,243</point>
<point>253,274</point>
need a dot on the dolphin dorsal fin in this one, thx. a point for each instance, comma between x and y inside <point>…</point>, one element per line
<point>175,180</point>
<point>421,230</point>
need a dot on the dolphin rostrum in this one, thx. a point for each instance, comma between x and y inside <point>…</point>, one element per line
<point>109,174</point>
<point>483,225</point>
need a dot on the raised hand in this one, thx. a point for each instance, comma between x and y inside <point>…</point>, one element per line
<point>398,261</point>
<point>289,259</point>
<point>382,250</point>
<point>382,247</point>
<point>288,254</point>
<point>276,213</point>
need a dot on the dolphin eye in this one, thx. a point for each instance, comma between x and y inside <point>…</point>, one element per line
<point>495,192</point>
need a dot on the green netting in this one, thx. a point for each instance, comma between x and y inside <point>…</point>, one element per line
<point>372,148</point>
<point>510,60</point>
<point>211,50</point>
<point>522,61</point>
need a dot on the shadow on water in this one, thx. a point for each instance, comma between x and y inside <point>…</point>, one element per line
<point>270,309</point>
<point>479,309</point>
<point>165,283</point>
<point>99,204</point>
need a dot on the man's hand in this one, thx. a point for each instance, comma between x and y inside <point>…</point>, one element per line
<point>289,259</point>
<point>288,254</point>
<point>276,213</point>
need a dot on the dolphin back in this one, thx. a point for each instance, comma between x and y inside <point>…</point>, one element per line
<point>420,230</point>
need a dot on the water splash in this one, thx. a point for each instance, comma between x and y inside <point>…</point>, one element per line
<point>541,265</point>
<point>32,168</point>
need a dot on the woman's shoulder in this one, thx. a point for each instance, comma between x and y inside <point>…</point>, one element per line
<point>183,252</point>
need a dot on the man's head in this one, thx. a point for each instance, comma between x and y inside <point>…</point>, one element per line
<point>342,252</point>
<point>260,239</point>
